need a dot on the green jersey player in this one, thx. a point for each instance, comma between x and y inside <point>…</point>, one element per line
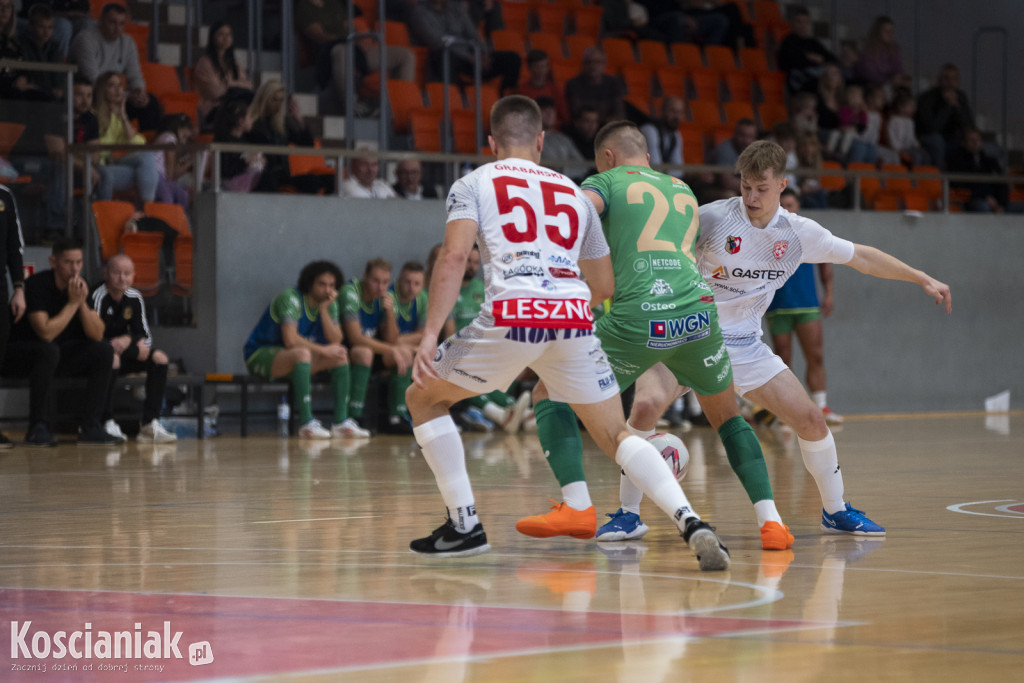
<point>662,312</point>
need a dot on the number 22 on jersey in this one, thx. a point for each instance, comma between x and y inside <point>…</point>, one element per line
<point>681,212</point>
<point>552,195</point>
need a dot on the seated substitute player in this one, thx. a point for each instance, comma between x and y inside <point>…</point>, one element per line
<point>748,247</point>
<point>509,205</point>
<point>368,317</point>
<point>60,335</point>
<point>123,312</point>
<point>410,306</point>
<point>299,335</point>
<point>661,312</point>
<point>795,309</point>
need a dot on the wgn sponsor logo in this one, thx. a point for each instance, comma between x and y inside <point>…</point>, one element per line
<point>666,334</point>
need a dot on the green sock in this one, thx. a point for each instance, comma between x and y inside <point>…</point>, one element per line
<point>357,391</point>
<point>501,398</point>
<point>397,385</point>
<point>746,458</point>
<point>560,440</point>
<point>339,389</point>
<point>301,387</point>
<point>478,401</point>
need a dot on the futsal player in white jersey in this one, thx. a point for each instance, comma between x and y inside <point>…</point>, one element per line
<point>748,247</point>
<point>539,236</point>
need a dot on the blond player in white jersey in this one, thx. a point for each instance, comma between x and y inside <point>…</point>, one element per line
<point>539,236</point>
<point>747,248</point>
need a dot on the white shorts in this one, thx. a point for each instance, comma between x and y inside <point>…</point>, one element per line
<point>484,358</point>
<point>753,366</point>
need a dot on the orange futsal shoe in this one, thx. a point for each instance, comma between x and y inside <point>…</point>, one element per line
<point>561,521</point>
<point>775,536</point>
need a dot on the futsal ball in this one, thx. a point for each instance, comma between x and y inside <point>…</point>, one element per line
<point>673,450</point>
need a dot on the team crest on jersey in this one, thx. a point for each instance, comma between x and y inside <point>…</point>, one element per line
<point>780,249</point>
<point>661,288</point>
<point>732,244</point>
<point>719,273</point>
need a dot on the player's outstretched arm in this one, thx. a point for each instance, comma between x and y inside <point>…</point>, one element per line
<point>871,261</point>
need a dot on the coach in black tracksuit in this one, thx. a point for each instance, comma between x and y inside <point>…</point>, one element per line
<point>123,312</point>
<point>11,245</point>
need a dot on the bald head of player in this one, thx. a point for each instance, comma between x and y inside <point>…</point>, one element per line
<point>620,143</point>
<point>762,169</point>
<point>516,128</point>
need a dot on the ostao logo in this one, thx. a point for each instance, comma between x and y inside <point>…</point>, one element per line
<point>652,306</point>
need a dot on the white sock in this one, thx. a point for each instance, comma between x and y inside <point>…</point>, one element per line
<point>766,512</point>
<point>442,449</point>
<point>822,461</point>
<point>649,471</point>
<point>629,495</point>
<point>819,398</point>
<point>576,495</point>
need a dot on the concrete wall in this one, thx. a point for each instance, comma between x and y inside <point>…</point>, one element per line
<point>888,347</point>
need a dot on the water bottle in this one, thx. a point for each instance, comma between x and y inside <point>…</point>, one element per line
<point>284,413</point>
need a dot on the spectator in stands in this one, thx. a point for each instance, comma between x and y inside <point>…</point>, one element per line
<point>106,47</point>
<point>368,318</point>
<point>881,62</point>
<point>277,124</point>
<point>849,55</point>
<point>324,23</point>
<point>853,123</point>
<point>409,174</point>
<point>557,145</point>
<point>12,83</point>
<point>239,172</point>
<point>595,89</point>
<point>808,154</point>
<point>363,181</point>
<point>123,312</point>
<point>664,141</point>
<point>435,22</point>
<point>299,335</point>
<point>70,17</point>
<point>583,129</point>
<point>135,170</point>
<point>61,336</point>
<point>831,94</point>
<point>900,130</point>
<point>217,74</point>
<point>801,55</point>
<point>970,157</point>
<point>541,83</point>
<point>943,114</point>
<point>784,135</point>
<point>726,154</point>
<point>874,101</point>
<point>172,165</point>
<point>686,21</point>
<point>803,112</point>
<point>11,245</point>
<point>629,19</point>
<point>37,45</point>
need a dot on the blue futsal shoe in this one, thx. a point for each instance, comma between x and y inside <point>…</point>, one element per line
<point>623,526</point>
<point>850,521</point>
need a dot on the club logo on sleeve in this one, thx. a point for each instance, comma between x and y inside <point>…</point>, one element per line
<point>780,249</point>
<point>732,244</point>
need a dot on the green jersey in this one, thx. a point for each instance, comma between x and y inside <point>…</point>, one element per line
<point>469,303</point>
<point>651,223</point>
<point>412,316</point>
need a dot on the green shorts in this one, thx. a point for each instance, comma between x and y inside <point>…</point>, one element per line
<point>783,321</point>
<point>262,360</point>
<point>690,346</point>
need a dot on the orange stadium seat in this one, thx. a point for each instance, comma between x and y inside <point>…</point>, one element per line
<point>652,53</point>
<point>550,43</point>
<point>686,54</point>
<point>110,217</point>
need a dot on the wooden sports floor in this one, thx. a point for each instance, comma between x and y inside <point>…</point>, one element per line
<point>288,560</point>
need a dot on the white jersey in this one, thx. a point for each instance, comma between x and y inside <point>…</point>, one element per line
<point>533,227</point>
<point>745,265</point>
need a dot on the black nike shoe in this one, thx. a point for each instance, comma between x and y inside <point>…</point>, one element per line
<point>39,436</point>
<point>446,541</point>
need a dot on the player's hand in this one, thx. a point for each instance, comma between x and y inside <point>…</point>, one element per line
<point>826,306</point>
<point>939,291</point>
<point>423,364</point>
<point>402,357</point>
<point>331,298</point>
<point>335,352</point>
<point>18,303</point>
<point>120,344</point>
<point>143,349</point>
<point>387,302</point>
